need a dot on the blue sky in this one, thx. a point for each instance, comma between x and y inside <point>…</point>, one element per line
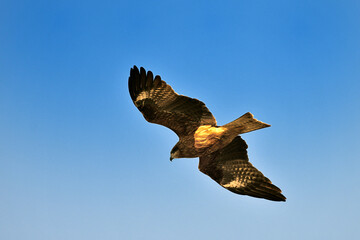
<point>78,161</point>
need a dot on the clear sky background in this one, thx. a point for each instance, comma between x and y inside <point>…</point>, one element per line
<point>78,160</point>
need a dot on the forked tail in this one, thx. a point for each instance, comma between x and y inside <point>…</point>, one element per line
<point>246,123</point>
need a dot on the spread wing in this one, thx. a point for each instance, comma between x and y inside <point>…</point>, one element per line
<point>230,167</point>
<point>159,104</point>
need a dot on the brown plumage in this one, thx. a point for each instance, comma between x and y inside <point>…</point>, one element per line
<point>223,155</point>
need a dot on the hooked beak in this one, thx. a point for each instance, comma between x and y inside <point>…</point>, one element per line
<point>171,158</point>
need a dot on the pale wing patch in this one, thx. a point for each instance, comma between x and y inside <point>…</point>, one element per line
<point>142,96</point>
<point>207,135</point>
<point>234,184</point>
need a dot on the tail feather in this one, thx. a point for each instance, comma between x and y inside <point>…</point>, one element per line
<point>246,123</point>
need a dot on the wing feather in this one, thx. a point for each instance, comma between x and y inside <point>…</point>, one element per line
<point>230,167</point>
<point>159,103</point>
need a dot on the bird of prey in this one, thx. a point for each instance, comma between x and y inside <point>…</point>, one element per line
<point>222,153</point>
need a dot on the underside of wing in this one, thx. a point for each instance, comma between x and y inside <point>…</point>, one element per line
<point>159,103</point>
<point>230,167</point>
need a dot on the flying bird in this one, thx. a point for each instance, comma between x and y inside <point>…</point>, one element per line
<point>222,153</point>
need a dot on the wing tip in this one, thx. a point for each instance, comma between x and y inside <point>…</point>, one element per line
<point>262,193</point>
<point>139,80</point>
<point>272,194</point>
<point>269,191</point>
<point>133,82</point>
<point>276,196</point>
<point>282,199</point>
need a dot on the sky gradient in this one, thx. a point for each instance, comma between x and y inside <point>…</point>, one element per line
<point>78,160</point>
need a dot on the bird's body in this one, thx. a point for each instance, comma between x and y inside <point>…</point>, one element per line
<point>222,152</point>
<point>204,140</point>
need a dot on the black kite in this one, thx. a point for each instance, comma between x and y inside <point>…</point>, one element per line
<point>223,155</point>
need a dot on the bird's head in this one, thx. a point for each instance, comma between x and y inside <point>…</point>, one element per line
<point>175,152</point>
